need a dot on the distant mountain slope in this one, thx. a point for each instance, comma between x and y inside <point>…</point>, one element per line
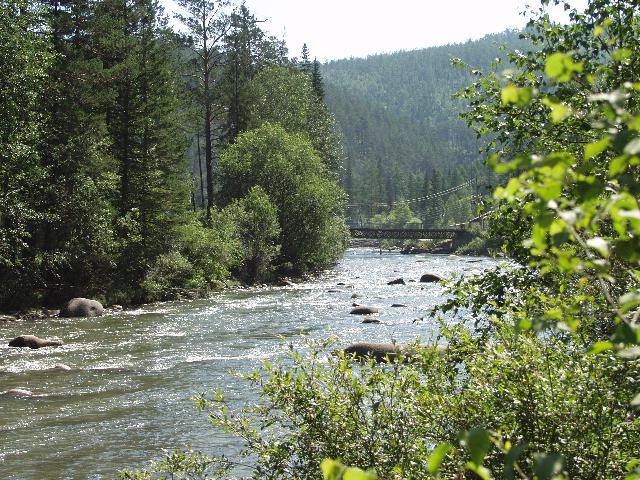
<point>400,125</point>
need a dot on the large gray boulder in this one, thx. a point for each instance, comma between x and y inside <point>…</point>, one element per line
<point>430,278</point>
<point>364,310</point>
<point>82,307</point>
<point>32,341</point>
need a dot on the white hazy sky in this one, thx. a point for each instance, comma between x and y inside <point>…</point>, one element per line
<point>335,29</point>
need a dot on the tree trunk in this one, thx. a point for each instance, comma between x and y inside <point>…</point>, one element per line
<point>201,179</point>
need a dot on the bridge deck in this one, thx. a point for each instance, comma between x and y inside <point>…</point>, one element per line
<point>407,233</point>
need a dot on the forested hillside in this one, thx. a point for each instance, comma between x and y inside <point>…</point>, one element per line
<point>401,129</point>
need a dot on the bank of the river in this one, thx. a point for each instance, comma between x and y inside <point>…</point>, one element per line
<point>133,373</point>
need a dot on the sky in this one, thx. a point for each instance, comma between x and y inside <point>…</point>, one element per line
<point>334,29</point>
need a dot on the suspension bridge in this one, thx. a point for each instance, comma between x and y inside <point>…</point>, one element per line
<point>430,227</point>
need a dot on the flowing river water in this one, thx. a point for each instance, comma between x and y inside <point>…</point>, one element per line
<point>128,394</point>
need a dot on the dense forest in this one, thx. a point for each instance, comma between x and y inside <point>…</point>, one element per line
<point>139,164</point>
<point>401,127</point>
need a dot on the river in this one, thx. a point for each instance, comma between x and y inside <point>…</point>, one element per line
<point>128,394</point>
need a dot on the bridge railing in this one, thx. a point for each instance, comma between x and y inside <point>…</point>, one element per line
<point>416,226</point>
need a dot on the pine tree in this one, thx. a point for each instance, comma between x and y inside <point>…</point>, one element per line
<point>207,26</point>
<point>305,64</point>
<point>147,142</point>
<point>316,80</point>
<point>75,238</point>
<point>247,50</point>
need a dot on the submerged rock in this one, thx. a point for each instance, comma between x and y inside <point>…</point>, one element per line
<point>371,320</point>
<point>397,281</point>
<point>398,305</point>
<point>62,366</point>
<point>32,341</point>
<point>364,310</point>
<point>19,392</point>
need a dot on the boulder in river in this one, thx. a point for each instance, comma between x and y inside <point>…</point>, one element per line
<point>398,305</point>
<point>32,341</point>
<point>364,310</point>
<point>371,320</point>
<point>357,295</point>
<point>82,307</point>
<point>397,281</point>
<point>379,351</point>
<point>430,278</point>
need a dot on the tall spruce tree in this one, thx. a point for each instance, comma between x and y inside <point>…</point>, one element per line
<point>75,237</point>
<point>247,50</point>
<point>144,132</point>
<point>305,65</point>
<point>316,80</point>
<point>207,24</point>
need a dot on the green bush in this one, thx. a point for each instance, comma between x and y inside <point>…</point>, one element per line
<point>532,394</point>
<point>256,221</point>
<point>308,202</point>
<point>169,275</point>
<point>213,251</point>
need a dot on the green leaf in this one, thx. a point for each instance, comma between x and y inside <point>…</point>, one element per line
<point>627,249</point>
<point>630,353</point>
<point>559,111</point>
<point>560,67</point>
<point>629,300</point>
<point>334,470</point>
<point>331,470</point>
<point>598,31</point>
<point>636,401</point>
<point>520,96</point>
<point>621,55</point>
<point>596,148</point>
<point>618,165</point>
<point>511,458</point>
<point>599,347</point>
<point>549,190</point>
<point>437,456</point>
<point>626,334</point>
<point>353,473</point>
<point>477,442</point>
<point>546,465</point>
<point>479,470</point>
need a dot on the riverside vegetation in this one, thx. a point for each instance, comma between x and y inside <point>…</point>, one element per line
<point>102,103</point>
<point>540,377</point>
